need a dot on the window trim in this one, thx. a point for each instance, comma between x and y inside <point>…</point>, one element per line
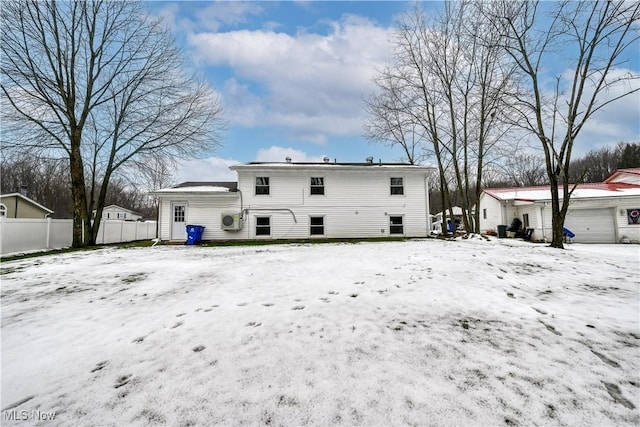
<point>267,186</point>
<point>261,227</point>
<point>311,226</point>
<point>316,187</point>
<point>392,186</point>
<point>391,225</point>
<point>174,205</point>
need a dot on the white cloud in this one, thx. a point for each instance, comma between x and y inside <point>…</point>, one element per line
<point>209,169</point>
<point>312,84</point>
<point>279,154</point>
<point>215,16</point>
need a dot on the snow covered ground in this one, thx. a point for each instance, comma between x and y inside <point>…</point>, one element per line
<point>420,332</point>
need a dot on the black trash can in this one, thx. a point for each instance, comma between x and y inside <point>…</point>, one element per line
<point>502,231</point>
<point>194,234</point>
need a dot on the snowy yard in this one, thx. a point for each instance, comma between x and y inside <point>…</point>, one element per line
<point>421,332</point>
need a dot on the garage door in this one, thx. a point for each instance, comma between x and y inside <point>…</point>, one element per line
<point>592,225</point>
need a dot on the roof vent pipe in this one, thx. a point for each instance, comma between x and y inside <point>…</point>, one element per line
<point>288,159</point>
<point>23,190</point>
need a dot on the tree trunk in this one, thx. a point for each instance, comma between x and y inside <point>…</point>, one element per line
<point>78,192</point>
<point>557,218</point>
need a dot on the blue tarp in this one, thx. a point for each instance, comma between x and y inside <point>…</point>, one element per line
<point>567,232</point>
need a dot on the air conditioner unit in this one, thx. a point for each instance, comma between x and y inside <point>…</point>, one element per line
<point>231,221</point>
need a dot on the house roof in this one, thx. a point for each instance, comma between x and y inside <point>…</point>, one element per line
<point>28,200</point>
<point>629,176</point>
<point>582,191</point>
<point>328,165</point>
<point>120,208</point>
<point>196,187</point>
<point>231,185</point>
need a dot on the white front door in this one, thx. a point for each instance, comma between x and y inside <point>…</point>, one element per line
<point>178,221</point>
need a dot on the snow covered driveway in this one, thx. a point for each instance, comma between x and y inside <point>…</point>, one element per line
<point>420,332</point>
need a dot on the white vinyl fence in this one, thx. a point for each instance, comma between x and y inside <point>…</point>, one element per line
<point>19,235</point>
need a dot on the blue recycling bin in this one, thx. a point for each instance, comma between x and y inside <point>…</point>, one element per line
<point>194,234</point>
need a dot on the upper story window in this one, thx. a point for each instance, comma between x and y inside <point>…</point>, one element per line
<point>317,185</point>
<point>397,186</point>
<point>262,185</point>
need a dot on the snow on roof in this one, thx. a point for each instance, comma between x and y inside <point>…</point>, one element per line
<point>583,191</point>
<point>629,176</point>
<point>196,189</point>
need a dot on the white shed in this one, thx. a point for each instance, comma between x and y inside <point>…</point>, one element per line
<point>605,212</point>
<point>303,200</point>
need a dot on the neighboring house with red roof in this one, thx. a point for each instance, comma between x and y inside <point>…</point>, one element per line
<point>606,212</point>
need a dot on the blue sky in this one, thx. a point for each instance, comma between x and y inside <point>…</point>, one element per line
<point>293,76</point>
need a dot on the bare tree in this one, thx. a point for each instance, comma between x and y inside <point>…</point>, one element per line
<point>525,170</point>
<point>593,37</point>
<point>102,84</point>
<point>447,86</point>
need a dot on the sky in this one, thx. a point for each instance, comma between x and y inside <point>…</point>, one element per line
<point>293,77</point>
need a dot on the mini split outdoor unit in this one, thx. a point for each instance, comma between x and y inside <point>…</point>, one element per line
<point>231,221</point>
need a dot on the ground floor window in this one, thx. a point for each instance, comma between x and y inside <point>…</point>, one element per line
<point>525,220</point>
<point>395,225</point>
<point>263,226</point>
<point>317,226</point>
<point>3,210</point>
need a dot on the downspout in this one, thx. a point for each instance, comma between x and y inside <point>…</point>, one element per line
<point>15,214</point>
<point>426,203</point>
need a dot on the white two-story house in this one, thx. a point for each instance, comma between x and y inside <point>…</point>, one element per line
<point>300,201</point>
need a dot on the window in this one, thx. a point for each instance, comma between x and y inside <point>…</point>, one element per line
<point>316,226</point>
<point>3,210</point>
<point>395,225</point>
<point>178,213</point>
<point>317,185</point>
<point>396,186</point>
<point>263,226</point>
<point>262,185</point>
<point>484,214</point>
<point>525,220</point>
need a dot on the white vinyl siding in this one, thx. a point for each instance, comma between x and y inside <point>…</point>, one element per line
<point>356,201</point>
